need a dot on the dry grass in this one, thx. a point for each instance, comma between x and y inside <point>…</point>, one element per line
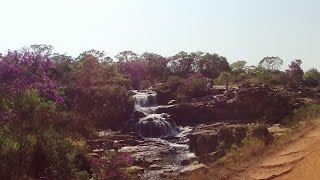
<point>252,150</point>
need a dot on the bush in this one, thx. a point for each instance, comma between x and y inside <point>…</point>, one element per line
<point>312,77</point>
<point>112,166</point>
<point>194,86</point>
<point>39,152</point>
<point>26,105</point>
<point>106,107</point>
<point>308,112</point>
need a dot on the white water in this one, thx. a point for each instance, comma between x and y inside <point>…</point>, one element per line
<point>153,125</point>
<point>172,151</point>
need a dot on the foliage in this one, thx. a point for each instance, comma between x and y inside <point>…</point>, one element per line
<point>211,65</point>
<point>308,112</point>
<point>29,151</point>
<point>223,79</point>
<point>42,49</point>
<point>312,77</point>
<point>136,70</point>
<point>21,71</point>
<point>182,64</point>
<point>99,55</point>
<point>271,63</point>
<point>239,67</point>
<point>156,65</point>
<point>126,56</point>
<point>295,73</point>
<point>194,86</point>
<point>110,167</point>
<point>100,93</point>
<point>62,68</point>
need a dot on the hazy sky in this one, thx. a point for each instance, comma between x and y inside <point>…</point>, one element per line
<point>237,29</point>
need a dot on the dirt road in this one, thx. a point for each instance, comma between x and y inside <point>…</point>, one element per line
<point>299,160</point>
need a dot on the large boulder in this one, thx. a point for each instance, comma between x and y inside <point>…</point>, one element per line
<point>206,139</point>
<point>138,115</point>
<point>157,125</point>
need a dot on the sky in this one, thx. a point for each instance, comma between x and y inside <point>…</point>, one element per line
<point>236,29</point>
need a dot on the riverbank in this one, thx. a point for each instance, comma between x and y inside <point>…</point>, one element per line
<point>292,152</point>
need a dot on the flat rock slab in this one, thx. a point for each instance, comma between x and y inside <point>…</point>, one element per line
<point>193,169</point>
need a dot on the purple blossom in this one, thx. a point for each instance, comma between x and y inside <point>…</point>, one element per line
<point>22,71</point>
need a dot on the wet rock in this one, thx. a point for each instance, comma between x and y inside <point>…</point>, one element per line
<point>94,155</point>
<point>155,167</point>
<point>189,161</point>
<point>169,175</point>
<point>143,162</point>
<point>193,169</point>
<point>156,125</point>
<point>98,151</point>
<point>130,142</point>
<point>138,115</point>
<point>172,102</point>
<point>169,151</point>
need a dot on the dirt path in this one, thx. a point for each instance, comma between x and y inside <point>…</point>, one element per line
<point>299,160</point>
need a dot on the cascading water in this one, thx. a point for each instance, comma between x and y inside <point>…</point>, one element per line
<point>153,124</point>
<point>157,149</point>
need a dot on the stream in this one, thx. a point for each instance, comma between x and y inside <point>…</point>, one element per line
<point>165,144</point>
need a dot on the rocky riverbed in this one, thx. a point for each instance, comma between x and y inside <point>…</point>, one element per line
<point>173,140</point>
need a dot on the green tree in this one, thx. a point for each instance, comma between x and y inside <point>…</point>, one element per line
<point>156,64</point>
<point>271,63</point>
<point>182,64</point>
<point>42,49</point>
<point>62,68</point>
<point>126,56</point>
<point>312,77</point>
<point>99,55</point>
<point>211,65</point>
<point>239,67</point>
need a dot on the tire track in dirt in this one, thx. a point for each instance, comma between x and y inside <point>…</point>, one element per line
<point>299,160</point>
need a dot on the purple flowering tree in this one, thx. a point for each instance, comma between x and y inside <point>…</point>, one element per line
<point>24,83</point>
<point>295,72</point>
<point>22,71</point>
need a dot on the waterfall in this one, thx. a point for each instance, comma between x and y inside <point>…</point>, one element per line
<point>153,124</point>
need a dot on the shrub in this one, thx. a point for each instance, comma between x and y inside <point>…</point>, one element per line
<point>194,86</point>
<point>312,77</point>
<point>26,105</point>
<point>106,107</point>
<point>112,166</point>
<point>308,112</point>
<point>38,152</point>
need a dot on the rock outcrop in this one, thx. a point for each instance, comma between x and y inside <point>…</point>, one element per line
<point>210,142</point>
<point>216,137</point>
<point>245,103</point>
